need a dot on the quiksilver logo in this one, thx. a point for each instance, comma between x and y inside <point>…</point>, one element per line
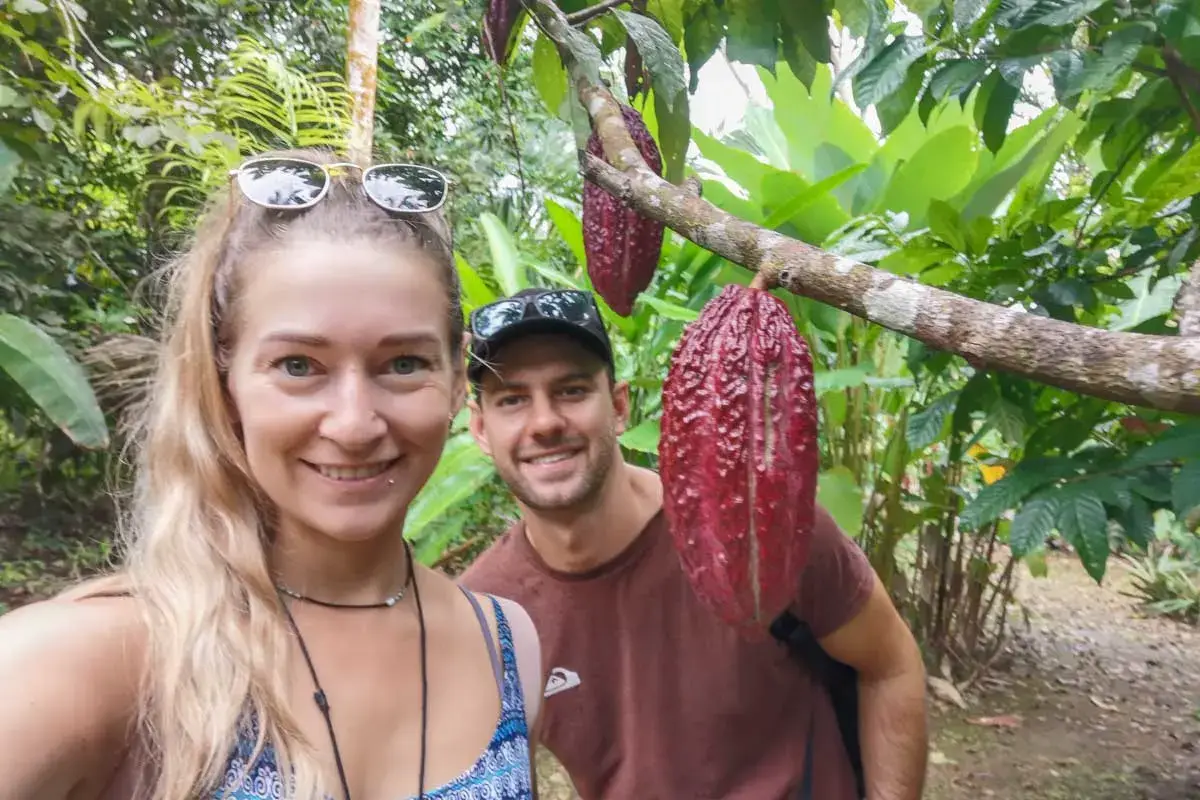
<point>560,680</point>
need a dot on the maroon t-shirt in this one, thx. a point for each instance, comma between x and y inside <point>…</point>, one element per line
<point>650,696</point>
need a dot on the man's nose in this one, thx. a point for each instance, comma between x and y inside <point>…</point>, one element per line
<point>353,419</point>
<point>545,419</point>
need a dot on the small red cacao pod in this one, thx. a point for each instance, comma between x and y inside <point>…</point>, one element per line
<point>621,246</point>
<point>499,19</point>
<point>738,456</point>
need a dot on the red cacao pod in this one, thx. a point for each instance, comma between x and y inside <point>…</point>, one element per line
<point>499,19</point>
<point>738,456</point>
<point>622,247</point>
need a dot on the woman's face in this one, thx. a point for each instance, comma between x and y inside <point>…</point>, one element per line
<point>342,381</point>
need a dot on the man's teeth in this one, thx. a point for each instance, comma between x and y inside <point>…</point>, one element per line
<point>353,473</point>
<point>554,459</point>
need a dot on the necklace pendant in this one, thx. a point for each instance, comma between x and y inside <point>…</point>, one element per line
<point>391,601</point>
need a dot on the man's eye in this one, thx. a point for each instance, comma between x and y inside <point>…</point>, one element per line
<point>407,365</point>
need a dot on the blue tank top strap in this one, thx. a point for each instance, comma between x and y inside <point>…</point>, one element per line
<point>487,637</point>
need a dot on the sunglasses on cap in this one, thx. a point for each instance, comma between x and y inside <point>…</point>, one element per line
<point>296,184</point>
<point>565,305</point>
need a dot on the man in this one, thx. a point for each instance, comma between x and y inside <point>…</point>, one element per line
<point>649,694</point>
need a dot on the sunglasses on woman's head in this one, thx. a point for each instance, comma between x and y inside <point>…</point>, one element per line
<point>296,184</point>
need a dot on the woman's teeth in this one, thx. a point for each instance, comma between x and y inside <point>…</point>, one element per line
<point>354,473</point>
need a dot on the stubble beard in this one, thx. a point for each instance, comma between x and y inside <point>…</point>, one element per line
<point>586,491</point>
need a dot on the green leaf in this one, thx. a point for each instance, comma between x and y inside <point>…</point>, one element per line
<point>1032,524</point>
<point>752,32</point>
<point>925,426</point>
<point>668,309</point>
<point>586,53</point>
<point>1138,523</point>
<point>505,265</point>
<point>53,380</point>
<point>30,7</point>
<point>836,380</point>
<point>939,170</point>
<point>838,494</point>
<point>1084,523</point>
<point>461,471</point>
<point>549,76</point>
<point>993,109</point>
<point>946,224</point>
<point>569,227</point>
<point>1101,72</point>
<point>670,14</point>
<point>967,11</point>
<point>643,438</point>
<point>1009,420</point>
<point>895,108</point>
<point>1181,442</point>
<point>702,35</point>
<point>1185,489</point>
<point>887,72</point>
<point>808,20</point>
<point>659,54</point>
<point>1053,13</point>
<point>862,17</point>
<point>956,76</point>
<point>674,134</point>
<point>475,292</point>
<point>9,164</point>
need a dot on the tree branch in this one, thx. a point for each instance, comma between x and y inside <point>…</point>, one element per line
<point>361,65</point>
<point>1158,371</point>
<point>1187,303</point>
<point>1176,74</point>
<point>591,12</point>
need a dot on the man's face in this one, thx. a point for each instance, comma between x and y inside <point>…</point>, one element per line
<point>549,417</point>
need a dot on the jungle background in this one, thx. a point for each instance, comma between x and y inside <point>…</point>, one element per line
<point>1036,154</point>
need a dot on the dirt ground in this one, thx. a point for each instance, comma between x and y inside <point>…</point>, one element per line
<point>1089,701</point>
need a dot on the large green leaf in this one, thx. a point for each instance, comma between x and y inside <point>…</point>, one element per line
<point>660,55</point>
<point>752,35</point>
<point>1084,523</point>
<point>549,76</point>
<point>569,227</point>
<point>887,72</point>
<point>505,264</point>
<point>938,171</point>
<point>1056,12</point>
<point>838,494</point>
<point>926,426</point>
<point>643,437</point>
<point>475,292</point>
<point>1185,489</point>
<point>53,380</point>
<point>462,470</point>
<point>1033,524</point>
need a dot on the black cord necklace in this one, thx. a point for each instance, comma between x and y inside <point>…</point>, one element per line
<point>319,695</point>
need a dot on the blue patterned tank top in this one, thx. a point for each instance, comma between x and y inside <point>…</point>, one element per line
<point>500,773</point>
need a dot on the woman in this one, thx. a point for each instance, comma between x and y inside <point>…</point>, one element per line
<point>270,634</point>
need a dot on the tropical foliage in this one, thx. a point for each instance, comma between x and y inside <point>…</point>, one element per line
<point>1036,155</point>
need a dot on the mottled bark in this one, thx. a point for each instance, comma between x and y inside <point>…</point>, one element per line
<point>362,59</point>
<point>1187,303</point>
<point>1155,371</point>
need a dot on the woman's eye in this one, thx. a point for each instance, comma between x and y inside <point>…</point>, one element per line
<point>296,366</point>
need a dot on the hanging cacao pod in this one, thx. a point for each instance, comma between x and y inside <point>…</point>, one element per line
<point>738,456</point>
<point>499,19</point>
<point>621,246</point>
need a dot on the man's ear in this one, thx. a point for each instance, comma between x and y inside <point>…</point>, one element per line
<point>620,395</point>
<point>475,425</point>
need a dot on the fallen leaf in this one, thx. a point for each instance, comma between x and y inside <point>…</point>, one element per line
<point>946,691</point>
<point>1096,701</point>
<point>1004,721</point>
<point>939,758</point>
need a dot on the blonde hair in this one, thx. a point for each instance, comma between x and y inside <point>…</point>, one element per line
<point>195,536</point>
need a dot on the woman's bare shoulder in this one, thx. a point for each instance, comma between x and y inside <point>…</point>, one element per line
<point>72,670</point>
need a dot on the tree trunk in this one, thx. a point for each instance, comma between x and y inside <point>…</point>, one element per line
<point>1155,371</point>
<point>361,63</point>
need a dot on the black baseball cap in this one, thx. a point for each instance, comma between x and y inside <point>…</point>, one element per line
<point>570,312</point>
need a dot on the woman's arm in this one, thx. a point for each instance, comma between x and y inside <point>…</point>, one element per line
<point>69,673</point>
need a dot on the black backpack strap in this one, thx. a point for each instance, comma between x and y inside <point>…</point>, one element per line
<point>841,680</point>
